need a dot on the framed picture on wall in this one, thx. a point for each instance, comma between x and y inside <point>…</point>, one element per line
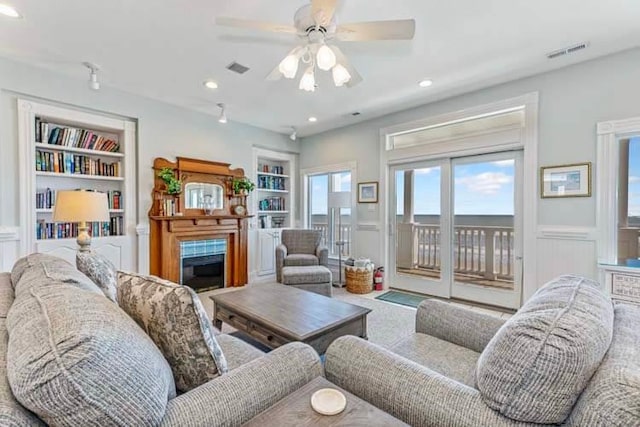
<point>565,181</point>
<point>368,192</point>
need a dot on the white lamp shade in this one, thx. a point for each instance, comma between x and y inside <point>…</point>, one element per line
<point>76,206</point>
<point>308,81</point>
<point>340,199</point>
<point>340,75</point>
<point>325,58</point>
<point>289,66</point>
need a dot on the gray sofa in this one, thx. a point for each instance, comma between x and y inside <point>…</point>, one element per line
<point>569,356</point>
<point>299,248</point>
<point>101,368</point>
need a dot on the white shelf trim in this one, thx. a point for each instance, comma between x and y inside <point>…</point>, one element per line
<point>266,190</point>
<point>54,147</point>
<point>272,174</point>
<point>80,176</point>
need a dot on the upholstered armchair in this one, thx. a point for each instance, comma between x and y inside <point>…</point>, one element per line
<point>300,248</point>
<point>568,357</point>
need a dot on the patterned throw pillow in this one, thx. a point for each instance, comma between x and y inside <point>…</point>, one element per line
<point>100,270</point>
<point>174,318</point>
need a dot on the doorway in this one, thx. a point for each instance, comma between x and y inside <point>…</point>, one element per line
<point>457,228</point>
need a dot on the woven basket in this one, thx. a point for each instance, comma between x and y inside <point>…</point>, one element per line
<point>359,280</point>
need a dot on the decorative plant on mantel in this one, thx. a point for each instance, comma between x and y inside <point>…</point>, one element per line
<point>242,185</point>
<point>173,184</point>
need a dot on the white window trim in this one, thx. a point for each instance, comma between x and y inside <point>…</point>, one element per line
<point>527,140</point>
<point>609,135</point>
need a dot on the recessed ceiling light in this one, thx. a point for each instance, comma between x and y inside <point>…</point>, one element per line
<point>425,83</point>
<point>9,11</point>
<point>313,119</point>
<point>210,84</point>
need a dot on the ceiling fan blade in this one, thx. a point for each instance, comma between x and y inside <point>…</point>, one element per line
<point>403,29</point>
<point>341,58</point>
<point>255,25</point>
<point>323,10</point>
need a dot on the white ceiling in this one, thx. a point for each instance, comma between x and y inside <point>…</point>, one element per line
<point>166,49</point>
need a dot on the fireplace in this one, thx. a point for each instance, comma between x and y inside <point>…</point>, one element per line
<point>202,264</point>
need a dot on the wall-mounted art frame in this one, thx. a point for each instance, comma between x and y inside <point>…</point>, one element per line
<point>565,181</point>
<point>368,192</point>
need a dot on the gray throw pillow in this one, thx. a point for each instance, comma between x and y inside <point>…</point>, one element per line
<point>534,369</point>
<point>75,359</point>
<point>174,318</point>
<point>100,270</point>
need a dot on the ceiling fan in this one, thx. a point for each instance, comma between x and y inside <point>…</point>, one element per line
<point>316,27</point>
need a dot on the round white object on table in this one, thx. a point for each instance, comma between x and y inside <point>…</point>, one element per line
<point>328,401</point>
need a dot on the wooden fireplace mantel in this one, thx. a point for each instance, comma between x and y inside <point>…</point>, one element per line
<point>167,232</point>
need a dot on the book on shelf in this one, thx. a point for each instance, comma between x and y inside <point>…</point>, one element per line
<point>64,230</point>
<point>46,199</point>
<point>272,204</point>
<point>69,163</point>
<point>51,133</point>
<point>264,168</point>
<point>271,183</point>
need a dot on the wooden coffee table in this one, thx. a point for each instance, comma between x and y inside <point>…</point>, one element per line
<point>275,314</point>
<point>296,410</point>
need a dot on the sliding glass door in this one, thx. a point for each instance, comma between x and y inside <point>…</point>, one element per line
<point>456,230</point>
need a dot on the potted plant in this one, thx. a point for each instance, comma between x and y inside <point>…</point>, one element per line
<point>174,185</point>
<point>242,186</point>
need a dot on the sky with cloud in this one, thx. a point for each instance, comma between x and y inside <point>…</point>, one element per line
<point>634,177</point>
<point>479,189</point>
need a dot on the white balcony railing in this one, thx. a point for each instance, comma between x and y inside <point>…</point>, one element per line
<point>341,234</point>
<point>480,251</point>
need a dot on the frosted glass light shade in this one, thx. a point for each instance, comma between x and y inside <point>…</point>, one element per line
<point>340,75</point>
<point>308,81</point>
<point>289,66</point>
<point>78,206</point>
<point>325,58</point>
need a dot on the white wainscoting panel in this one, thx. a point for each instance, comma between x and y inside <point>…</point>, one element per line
<point>117,249</point>
<point>142,230</point>
<point>9,247</point>
<point>566,250</point>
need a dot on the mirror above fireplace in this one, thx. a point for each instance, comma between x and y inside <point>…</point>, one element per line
<point>201,195</point>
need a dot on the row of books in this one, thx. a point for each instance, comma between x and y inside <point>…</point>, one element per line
<point>74,164</point>
<point>270,169</point>
<point>46,199</point>
<point>50,133</point>
<point>168,207</point>
<point>272,204</point>
<point>64,230</point>
<point>271,183</point>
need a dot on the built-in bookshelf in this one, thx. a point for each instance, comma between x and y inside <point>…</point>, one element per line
<point>274,204</point>
<point>67,149</point>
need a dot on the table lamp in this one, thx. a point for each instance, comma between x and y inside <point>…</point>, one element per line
<point>81,207</point>
<point>339,200</point>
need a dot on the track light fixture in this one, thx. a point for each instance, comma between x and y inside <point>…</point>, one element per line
<point>94,84</point>
<point>223,114</point>
<point>294,134</point>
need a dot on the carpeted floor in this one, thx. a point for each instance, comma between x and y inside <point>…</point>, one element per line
<point>386,324</point>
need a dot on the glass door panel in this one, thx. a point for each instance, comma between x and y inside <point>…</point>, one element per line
<point>486,229</point>
<point>419,239</point>
<point>319,205</point>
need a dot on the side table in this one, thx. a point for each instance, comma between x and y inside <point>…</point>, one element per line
<point>296,410</point>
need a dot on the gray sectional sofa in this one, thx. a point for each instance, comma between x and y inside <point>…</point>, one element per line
<point>569,356</point>
<point>75,358</point>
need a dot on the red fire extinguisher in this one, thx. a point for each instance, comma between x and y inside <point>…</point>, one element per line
<point>378,277</point>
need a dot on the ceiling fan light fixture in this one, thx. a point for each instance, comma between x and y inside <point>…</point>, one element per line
<point>325,58</point>
<point>308,81</point>
<point>289,66</point>
<point>340,75</point>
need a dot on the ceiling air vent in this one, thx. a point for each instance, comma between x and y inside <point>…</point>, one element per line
<point>237,68</point>
<point>567,50</point>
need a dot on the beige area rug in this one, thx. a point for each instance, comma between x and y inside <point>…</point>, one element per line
<point>386,324</point>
